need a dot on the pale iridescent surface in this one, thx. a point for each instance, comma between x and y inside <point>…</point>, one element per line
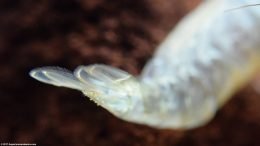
<point>201,63</point>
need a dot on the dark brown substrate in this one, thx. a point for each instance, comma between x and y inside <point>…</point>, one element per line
<point>122,33</point>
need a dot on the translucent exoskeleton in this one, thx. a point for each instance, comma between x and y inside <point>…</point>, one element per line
<point>203,61</point>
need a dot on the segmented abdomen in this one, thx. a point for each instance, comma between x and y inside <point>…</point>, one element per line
<point>205,59</point>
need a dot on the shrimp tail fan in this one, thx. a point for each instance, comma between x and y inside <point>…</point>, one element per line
<point>56,76</point>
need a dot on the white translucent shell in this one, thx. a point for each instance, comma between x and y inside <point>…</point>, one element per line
<point>107,86</point>
<point>94,76</point>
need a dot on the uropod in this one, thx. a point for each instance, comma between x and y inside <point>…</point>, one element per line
<point>195,70</point>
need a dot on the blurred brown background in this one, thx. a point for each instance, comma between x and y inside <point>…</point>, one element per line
<point>122,33</point>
